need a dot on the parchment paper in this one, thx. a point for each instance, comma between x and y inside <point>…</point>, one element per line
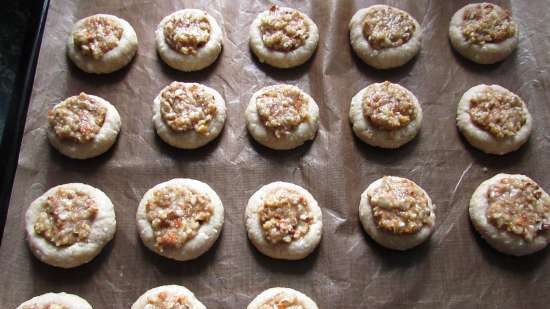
<point>456,269</point>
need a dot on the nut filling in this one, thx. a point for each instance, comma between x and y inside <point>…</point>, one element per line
<point>282,301</point>
<point>66,217</point>
<point>97,36</point>
<point>187,33</point>
<point>165,301</point>
<point>399,206</point>
<point>78,118</point>
<point>284,216</point>
<point>176,213</point>
<point>187,107</point>
<point>519,206</point>
<point>284,29</point>
<point>46,306</point>
<point>387,28</point>
<point>501,113</point>
<point>486,23</point>
<point>388,106</point>
<point>282,109</point>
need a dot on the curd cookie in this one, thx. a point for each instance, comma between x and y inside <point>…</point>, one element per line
<point>180,219</point>
<point>512,213</point>
<point>483,32</point>
<point>283,37</point>
<point>168,297</point>
<point>493,119</point>
<point>83,126</point>
<point>189,40</point>
<point>102,43</point>
<point>385,37</point>
<point>282,117</point>
<point>69,224</point>
<point>385,115</point>
<point>283,221</point>
<point>397,213</point>
<point>282,298</point>
<point>188,115</point>
<point>56,301</point>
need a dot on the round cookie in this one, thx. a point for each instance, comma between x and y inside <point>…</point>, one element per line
<point>102,43</point>
<point>83,126</point>
<point>385,115</point>
<point>282,298</point>
<point>282,117</point>
<point>385,37</point>
<point>189,40</point>
<point>193,218</point>
<point>512,213</point>
<point>397,213</point>
<point>283,37</point>
<point>188,115</point>
<point>483,32</point>
<point>493,119</point>
<point>49,300</point>
<point>168,296</point>
<point>283,221</point>
<point>69,224</point>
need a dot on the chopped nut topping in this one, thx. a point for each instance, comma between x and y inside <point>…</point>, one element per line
<point>284,29</point>
<point>66,217</point>
<point>282,108</point>
<point>388,27</point>
<point>186,33</point>
<point>498,112</point>
<point>184,107</point>
<point>165,301</point>
<point>487,23</point>
<point>78,118</point>
<point>285,216</point>
<point>97,36</point>
<point>519,206</point>
<point>388,106</point>
<point>399,206</point>
<point>46,306</point>
<point>176,213</point>
<point>282,301</point>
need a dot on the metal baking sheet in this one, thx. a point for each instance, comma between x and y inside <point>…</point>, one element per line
<point>456,269</point>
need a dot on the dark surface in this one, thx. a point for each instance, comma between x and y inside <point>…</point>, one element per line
<point>20,35</point>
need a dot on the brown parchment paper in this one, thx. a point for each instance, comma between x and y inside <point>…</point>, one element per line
<point>456,269</point>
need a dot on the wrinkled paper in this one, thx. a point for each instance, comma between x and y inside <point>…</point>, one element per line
<point>455,269</point>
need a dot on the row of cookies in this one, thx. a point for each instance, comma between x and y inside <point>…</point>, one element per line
<point>190,115</point>
<point>182,218</point>
<point>382,36</point>
<point>175,297</point>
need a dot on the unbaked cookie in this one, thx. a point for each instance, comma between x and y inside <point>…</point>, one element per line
<point>188,115</point>
<point>56,301</point>
<point>282,117</point>
<point>493,119</point>
<point>83,126</point>
<point>385,115</point>
<point>102,43</point>
<point>180,219</point>
<point>397,213</point>
<point>512,213</point>
<point>168,297</point>
<point>69,224</point>
<point>385,37</point>
<point>282,298</point>
<point>483,32</point>
<point>283,37</point>
<point>283,221</point>
<point>189,40</point>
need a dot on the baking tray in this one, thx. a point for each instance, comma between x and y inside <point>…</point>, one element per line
<point>455,269</point>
